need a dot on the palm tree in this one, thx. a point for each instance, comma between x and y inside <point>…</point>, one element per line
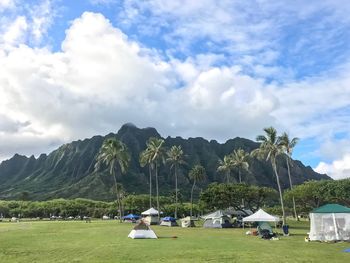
<point>115,155</point>
<point>226,166</point>
<point>175,157</point>
<point>197,174</point>
<point>240,161</point>
<point>269,149</point>
<point>145,159</point>
<point>288,146</point>
<point>155,153</point>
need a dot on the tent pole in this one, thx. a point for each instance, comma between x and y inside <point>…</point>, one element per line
<point>335,227</point>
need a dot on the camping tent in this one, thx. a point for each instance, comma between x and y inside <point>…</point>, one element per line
<point>261,216</point>
<point>168,221</point>
<point>241,212</point>
<point>187,222</point>
<point>217,219</point>
<point>330,223</point>
<point>264,226</point>
<point>151,216</point>
<point>142,230</point>
<point>131,218</point>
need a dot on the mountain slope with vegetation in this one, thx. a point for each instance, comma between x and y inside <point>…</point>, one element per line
<point>68,172</point>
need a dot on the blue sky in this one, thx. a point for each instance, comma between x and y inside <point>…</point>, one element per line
<point>190,68</point>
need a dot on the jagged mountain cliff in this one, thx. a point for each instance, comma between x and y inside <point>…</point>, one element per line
<point>68,172</point>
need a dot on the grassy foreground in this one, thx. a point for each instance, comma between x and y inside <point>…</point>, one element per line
<point>106,241</point>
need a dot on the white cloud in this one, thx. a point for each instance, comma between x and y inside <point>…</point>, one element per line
<point>315,107</point>
<point>102,2</point>
<point>41,18</point>
<point>338,169</point>
<point>258,34</point>
<point>6,4</point>
<point>15,32</point>
<point>102,79</point>
<point>25,23</point>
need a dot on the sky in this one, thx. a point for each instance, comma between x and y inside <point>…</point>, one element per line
<point>216,69</point>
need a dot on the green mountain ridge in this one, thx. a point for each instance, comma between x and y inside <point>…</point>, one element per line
<point>68,172</point>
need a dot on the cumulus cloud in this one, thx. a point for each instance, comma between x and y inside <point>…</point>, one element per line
<point>338,169</point>
<point>101,79</point>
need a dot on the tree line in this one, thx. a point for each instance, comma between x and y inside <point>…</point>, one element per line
<point>308,196</point>
<point>255,197</point>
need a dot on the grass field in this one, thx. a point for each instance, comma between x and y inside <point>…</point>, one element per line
<point>106,241</point>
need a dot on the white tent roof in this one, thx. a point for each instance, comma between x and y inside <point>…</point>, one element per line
<point>150,212</point>
<point>216,214</point>
<point>260,216</point>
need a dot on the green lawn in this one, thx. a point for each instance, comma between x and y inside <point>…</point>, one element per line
<point>106,241</point>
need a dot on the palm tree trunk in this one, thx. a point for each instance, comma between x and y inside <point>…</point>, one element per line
<point>273,162</point>
<point>118,198</point>
<point>175,191</point>
<point>150,185</point>
<point>122,205</point>
<point>240,181</point>
<point>157,191</point>
<point>194,182</point>
<point>228,177</point>
<point>291,188</point>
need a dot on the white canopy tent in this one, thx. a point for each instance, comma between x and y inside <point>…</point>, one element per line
<point>151,216</point>
<point>261,216</point>
<point>150,212</point>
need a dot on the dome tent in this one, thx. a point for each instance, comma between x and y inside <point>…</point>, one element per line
<point>330,222</point>
<point>142,231</point>
<point>217,219</point>
<point>131,218</point>
<point>168,221</point>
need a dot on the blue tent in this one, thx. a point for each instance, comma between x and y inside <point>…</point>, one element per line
<point>131,217</point>
<point>169,219</point>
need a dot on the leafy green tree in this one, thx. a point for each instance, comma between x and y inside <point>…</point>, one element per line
<point>175,158</point>
<point>226,166</point>
<point>240,161</point>
<point>288,146</point>
<point>270,148</point>
<point>218,196</point>
<point>196,174</point>
<point>223,196</point>
<point>115,155</point>
<point>313,194</point>
<point>155,155</point>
